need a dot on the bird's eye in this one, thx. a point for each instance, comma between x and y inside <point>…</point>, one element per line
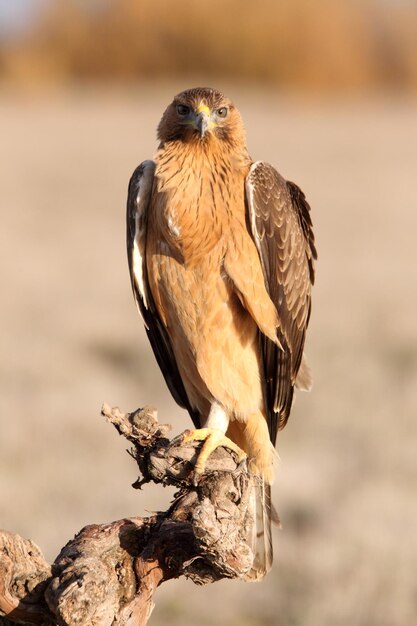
<point>222,112</point>
<point>182,110</point>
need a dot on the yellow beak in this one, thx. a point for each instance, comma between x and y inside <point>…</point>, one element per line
<point>203,121</point>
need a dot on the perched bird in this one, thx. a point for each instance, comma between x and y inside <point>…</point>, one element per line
<point>221,256</point>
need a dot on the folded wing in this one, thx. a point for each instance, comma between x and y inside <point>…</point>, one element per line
<point>138,204</point>
<point>280,224</point>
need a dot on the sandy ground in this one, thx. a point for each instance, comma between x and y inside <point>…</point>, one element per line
<point>70,338</point>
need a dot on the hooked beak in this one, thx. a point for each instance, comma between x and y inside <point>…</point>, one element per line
<point>202,122</point>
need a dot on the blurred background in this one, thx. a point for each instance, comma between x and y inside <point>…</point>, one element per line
<point>328,92</point>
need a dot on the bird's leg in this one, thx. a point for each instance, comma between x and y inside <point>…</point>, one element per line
<point>214,435</point>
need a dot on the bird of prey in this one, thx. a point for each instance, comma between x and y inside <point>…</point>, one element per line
<point>221,256</point>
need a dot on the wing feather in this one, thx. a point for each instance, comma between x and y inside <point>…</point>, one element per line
<point>281,227</point>
<point>138,203</point>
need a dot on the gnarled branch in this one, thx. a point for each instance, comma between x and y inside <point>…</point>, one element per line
<point>108,573</point>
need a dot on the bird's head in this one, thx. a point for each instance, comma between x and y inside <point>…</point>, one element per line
<point>199,114</point>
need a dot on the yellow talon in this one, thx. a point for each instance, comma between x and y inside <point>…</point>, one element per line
<point>213,438</point>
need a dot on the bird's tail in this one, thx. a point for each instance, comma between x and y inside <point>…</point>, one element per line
<point>262,534</point>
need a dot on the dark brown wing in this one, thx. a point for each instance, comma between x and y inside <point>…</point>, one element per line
<point>280,224</point>
<point>138,200</point>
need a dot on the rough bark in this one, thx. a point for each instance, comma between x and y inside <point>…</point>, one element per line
<point>108,573</point>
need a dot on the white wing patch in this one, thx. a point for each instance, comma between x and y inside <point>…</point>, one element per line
<point>138,261</point>
<point>141,203</point>
<point>249,190</point>
<point>173,227</point>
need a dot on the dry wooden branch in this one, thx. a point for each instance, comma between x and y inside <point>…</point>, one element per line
<point>108,573</point>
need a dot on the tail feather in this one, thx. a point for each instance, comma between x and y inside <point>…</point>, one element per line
<point>262,535</point>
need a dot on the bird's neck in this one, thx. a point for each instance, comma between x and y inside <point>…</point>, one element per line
<point>198,187</point>
<point>197,162</point>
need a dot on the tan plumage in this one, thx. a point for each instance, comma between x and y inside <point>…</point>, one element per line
<point>221,256</point>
